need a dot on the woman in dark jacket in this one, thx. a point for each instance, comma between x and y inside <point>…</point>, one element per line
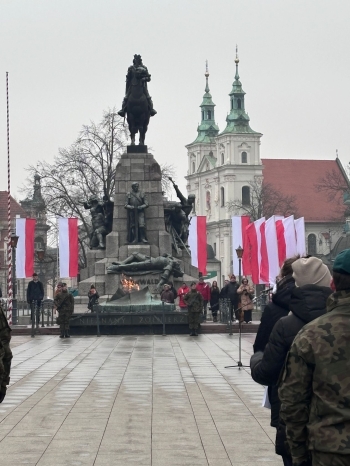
<point>306,304</point>
<point>279,307</point>
<point>214,300</point>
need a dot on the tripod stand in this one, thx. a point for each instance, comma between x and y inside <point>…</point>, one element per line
<point>239,310</point>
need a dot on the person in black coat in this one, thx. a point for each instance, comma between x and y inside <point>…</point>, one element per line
<point>214,300</point>
<point>229,291</point>
<point>35,294</point>
<point>307,302</point>
<point>279,307</point>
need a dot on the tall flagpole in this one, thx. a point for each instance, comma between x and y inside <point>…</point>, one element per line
<point>9,232</point>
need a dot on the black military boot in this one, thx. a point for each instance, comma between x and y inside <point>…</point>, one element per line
<point>62,334</point>
<point>192,334</point>
<point>66,334</point>
<point>195,334</point>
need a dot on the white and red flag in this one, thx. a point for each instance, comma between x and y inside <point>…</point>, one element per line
<point>68,246</point>
<point>25,230</point>
<point>299,225</point>
<point>253,233</point>
<point>269,266</point>
<point>197,241</point>
<point>239,238</point>
<point>286,239</point>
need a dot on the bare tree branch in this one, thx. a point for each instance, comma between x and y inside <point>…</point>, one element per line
<point>265,201</point>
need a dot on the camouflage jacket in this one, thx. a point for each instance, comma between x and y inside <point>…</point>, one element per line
<point>315,386</point>
<point>5,330</point>
<point>64,302</point>
<point>194,301</point>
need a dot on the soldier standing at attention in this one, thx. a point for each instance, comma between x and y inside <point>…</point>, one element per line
<point>194,302</point>
<point>5,354</point>
<point>64,303</point>
<point>314,390</point>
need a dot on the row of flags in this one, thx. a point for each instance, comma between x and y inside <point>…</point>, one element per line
<point>68,248</point>
<point>266,245</point>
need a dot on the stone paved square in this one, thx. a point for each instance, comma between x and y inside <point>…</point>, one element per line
<point>127,400</point>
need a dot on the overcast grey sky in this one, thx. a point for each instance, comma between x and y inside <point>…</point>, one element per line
<point>67,61</point>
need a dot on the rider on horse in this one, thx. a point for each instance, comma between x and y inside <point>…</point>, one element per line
<point>137,68</point>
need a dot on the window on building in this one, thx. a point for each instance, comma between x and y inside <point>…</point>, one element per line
<point>231,104</point>
<point>239,104</point>
<point>207,166</point>
<point>222,192</point>
<point>244,157</point>
<point>193,167</point>
<point>246,195</point>
<point>209,114</point>
<point>202,114</point>
<point>207,199</point>
<point>214,247</point>
<point>311,244</point>
<point>222,159</point>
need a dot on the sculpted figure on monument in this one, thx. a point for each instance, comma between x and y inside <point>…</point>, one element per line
<point>187,203</point>
<point>101,220</point>
<point>176,223</point>
<point>137,103</point>
<point>140,264</point>
<point>136,203</point>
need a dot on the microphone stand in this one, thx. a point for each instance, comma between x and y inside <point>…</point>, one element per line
<point>239,362</point>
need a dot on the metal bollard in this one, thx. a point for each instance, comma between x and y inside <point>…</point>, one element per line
<point>163,311</point>
<point>97,321</point>
<point>42,314</point>
<point>33,316</point>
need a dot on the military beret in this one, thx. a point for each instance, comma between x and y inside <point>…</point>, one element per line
<point>342,262</point>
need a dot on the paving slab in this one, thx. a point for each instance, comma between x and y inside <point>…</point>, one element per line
<point>127,400</point>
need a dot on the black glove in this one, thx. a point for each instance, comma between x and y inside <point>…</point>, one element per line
<point>2,394</point>
<point>304,463</point>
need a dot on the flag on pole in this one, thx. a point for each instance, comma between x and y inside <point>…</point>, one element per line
<point>197,241</point>
<point>68,246</point>
<point>25,230</point>
<point>254,247</point>
<point>286,239</point>
<point>239,238</point>
<point>299,225</point>
<point>271,265</point>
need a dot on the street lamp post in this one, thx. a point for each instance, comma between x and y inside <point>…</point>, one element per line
<point>14,241</point>
<point>41,256</point>
<point>239,252</point>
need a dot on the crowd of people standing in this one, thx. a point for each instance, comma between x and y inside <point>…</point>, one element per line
<point>239,298</point>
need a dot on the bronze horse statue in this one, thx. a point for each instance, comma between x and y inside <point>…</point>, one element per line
<point>137,102</point>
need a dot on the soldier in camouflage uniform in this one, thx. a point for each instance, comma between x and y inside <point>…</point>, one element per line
<point>64,303</point>
<point>5,353</point>
<point>194,301</point>
<point>315,386</point>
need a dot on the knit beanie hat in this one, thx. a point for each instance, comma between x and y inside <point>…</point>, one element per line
<point>311,271</point>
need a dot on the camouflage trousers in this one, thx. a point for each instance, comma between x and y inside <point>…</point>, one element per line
<point>320,458</point>
<point>5,365</point>
<point>193,319</point>
<point>63,319</point>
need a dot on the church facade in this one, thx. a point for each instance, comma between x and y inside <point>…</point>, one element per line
<point>220,166</point>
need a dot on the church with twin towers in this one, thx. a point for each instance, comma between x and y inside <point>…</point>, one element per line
<point>221,164</point>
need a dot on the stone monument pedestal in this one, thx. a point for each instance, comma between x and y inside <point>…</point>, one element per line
<point>136,165</point>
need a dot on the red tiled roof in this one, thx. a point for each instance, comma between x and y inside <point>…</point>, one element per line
<point>298,178</point>
<point>16,209</point>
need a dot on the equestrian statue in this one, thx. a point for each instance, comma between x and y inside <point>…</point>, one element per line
<point>137,104</point>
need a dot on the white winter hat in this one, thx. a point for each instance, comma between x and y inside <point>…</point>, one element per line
<point>311,271</point>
